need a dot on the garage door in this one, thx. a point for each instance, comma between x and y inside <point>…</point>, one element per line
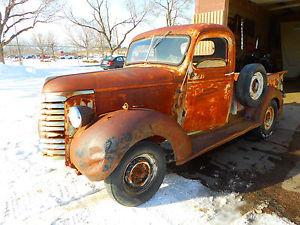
<point>290,36</point>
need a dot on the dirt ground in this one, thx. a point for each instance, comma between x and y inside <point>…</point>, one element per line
<point>265,173</point>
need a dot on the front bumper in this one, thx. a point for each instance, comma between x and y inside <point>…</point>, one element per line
<point>106,67</point>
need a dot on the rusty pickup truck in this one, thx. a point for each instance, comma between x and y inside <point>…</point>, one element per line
<point>178,87</point>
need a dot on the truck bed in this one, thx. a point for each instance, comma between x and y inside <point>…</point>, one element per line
<point>271,76</point>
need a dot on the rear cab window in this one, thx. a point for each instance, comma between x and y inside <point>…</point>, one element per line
<point>211,53</point>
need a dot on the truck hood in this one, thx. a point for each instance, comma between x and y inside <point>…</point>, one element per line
<point>130,77</point>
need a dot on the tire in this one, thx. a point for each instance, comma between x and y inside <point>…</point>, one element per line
<point>251,85</point>
<point>146,160</point>
<point>268,126</point>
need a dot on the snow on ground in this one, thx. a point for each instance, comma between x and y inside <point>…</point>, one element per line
<point>39,190</point>
<point>36,68</point>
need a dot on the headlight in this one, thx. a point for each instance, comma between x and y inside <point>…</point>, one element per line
<point>80,116</point>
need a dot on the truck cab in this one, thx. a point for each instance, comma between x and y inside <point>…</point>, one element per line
<point>178,86</point>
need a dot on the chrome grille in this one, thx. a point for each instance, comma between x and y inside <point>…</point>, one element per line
<point>52,125</point>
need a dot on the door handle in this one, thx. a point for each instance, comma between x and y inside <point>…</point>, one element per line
<point>229,74</point>
<point>196,76</point>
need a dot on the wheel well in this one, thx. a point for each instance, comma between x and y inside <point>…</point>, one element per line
<point>164,144</point>
<point>156,139</point>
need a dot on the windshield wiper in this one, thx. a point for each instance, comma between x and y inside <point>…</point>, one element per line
<point>149,49</point>
<point>161,39</point>
<point>156,44</point>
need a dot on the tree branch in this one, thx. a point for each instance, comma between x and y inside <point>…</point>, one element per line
<point>102,23</point>
<point>15,14</point>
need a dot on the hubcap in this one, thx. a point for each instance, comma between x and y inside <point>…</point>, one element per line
<point>256,86</point>
<point>140,172</point>
<point>269,118</point>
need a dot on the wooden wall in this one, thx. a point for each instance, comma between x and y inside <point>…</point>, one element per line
<point>211,11</point>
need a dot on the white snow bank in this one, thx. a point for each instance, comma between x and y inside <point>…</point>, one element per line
<point>15,71</point>
<point>39,70</point>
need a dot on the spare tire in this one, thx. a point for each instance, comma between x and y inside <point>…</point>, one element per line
<point>251,85</point>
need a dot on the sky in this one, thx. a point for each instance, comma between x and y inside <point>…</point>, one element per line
<point>82,9</point>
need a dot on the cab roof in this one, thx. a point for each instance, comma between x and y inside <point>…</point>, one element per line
<point>192,30</point>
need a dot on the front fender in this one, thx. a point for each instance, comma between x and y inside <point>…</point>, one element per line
<point>97,150</point>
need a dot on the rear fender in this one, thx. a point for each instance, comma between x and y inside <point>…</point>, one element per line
<point>257,114</point>
<point>97,150</point>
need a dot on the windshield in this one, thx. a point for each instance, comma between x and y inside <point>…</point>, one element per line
<point>159,49</point>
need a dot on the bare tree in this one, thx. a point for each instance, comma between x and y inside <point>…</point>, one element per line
<point>16,47</point>
<point>51,44</point>
<point>173,10</point>
<point>102,22</point>
<point>40,43</point>
<point>100,43</point>
<point>18,16</point>
<point>84,38</point>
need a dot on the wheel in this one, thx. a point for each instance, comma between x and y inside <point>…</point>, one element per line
<point>138,176</point>
<point>268,125</point>
<point>251,85</point>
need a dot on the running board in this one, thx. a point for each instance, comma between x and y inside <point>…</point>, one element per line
<point>204,142</point>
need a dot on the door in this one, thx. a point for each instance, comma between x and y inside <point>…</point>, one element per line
<point>209,87</point>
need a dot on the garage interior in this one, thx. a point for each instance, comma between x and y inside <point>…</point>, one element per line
<point>266,31</point>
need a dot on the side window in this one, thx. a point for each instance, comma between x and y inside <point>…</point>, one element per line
<point>211,53</point>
